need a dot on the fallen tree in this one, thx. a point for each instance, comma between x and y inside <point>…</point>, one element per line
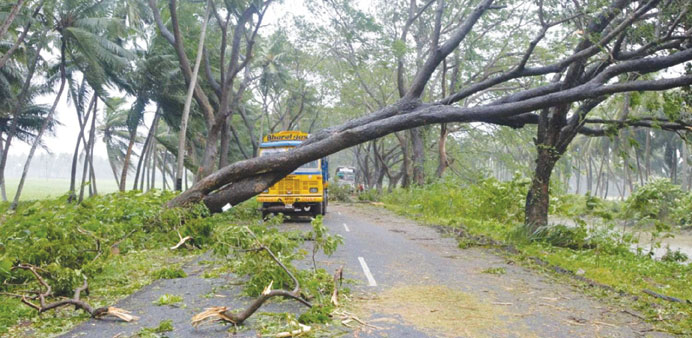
<point>607,60</point>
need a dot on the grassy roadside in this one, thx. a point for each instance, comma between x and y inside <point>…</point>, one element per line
<point>495,209</point>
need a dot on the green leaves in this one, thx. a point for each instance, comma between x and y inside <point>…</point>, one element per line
<point>399,48</point>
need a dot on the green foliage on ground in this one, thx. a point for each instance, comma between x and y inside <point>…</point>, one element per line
<point>242,241</point>
<point>121,241</point>
<point>656,200</point>
<point>155,332</point>
<point>113,240</point>
<point>167,299</point>
<point>494,209</point>
<point>169,273</point>
<point>341,193</point>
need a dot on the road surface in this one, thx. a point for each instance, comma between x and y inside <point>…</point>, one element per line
<point>409,281</point>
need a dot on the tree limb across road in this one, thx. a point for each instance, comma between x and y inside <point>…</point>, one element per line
<point>604,62</point>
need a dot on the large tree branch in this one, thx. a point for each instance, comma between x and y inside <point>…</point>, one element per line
<point>244,179</point>
<point>437,55</point>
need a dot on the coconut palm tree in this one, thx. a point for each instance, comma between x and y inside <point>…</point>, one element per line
<point>115,134</point>
<point>89,39</point>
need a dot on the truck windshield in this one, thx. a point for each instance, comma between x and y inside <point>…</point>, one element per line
<point>312,166</point>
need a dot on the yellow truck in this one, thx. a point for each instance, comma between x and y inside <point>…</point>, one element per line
<point>303,192</point>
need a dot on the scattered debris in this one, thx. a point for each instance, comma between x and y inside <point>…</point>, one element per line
<point>75,300</point>
<point>301,330</point>
<point>182,241</point>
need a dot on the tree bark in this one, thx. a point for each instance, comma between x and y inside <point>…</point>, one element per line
<point>126,162</point>
<point>10,18</point>
<point>538,198</point>
<point>443,162</point>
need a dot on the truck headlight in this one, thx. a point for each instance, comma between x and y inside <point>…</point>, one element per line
<point>313,190</point>
<point>266,191</point>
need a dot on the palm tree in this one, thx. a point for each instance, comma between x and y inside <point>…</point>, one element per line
<point>88,38</point>
<point>115,134</point>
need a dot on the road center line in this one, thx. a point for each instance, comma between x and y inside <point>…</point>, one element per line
<point>346,227</point>
<point>366,270</point>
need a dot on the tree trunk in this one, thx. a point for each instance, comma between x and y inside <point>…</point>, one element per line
<point>538,198</point>
<point>150,135</point>
<point>589,177</point>
<point>154,155</point>
<point>89,148</point>
<point>164,165</point>
<point>48,120</point>
<point>418,156</point>
<point>209,158</point>
<point>443,163</point>
<point>578,178</point>
<point>188,101</point>
<point>75,155</point>
<point>3,191</point>
<point>647,155</point>
<point>126,161</point>
<point>225,143</point>
<point>10,18</point>
<point>406,161</point>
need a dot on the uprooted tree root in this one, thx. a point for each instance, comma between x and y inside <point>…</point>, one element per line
<point>42,306</point>
<point>222,313</point>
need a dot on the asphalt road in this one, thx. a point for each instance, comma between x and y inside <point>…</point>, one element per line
<point>407,281</point>
<point>416,283</point>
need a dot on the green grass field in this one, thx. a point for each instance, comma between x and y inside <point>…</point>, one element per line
<point>40,188</point>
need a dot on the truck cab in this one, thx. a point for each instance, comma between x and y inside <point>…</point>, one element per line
<point>303,192</point>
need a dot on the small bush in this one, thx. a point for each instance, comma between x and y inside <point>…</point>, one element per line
<point>341,193</point>
<point>563,236</point>
<point>169,273</point>
<point>655,200</point>
<point>682,213</point>
<point>674,256</point>
<point>370,195</point>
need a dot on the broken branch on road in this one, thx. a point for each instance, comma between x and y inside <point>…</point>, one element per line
<point>76,301</point>
<point>222,313</point>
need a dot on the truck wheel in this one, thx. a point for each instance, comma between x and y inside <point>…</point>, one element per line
<point>317,209</point>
